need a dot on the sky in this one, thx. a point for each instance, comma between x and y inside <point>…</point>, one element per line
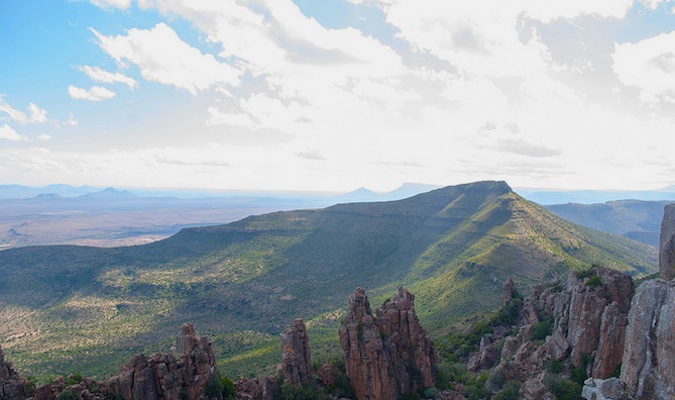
<point>332,95</point>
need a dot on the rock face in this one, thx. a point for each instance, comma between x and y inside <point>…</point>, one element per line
<point>667,244</point>
<point>649,356</point>
<point>162,376</point>
<point>12,385</point>
<point>296,361</point>
<point>609,389</point>
<point>591,314</point>
<point>388,354</point>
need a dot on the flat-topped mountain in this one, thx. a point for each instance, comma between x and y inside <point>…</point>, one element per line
<point>85,309</point>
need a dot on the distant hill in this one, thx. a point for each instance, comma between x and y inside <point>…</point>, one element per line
<point>548,197</point>
<point>86,309</point>
<point>635,219</point>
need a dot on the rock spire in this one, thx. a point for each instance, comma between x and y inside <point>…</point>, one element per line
<point>387,354</point>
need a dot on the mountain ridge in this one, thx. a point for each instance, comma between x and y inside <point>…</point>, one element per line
<point>452,246</point>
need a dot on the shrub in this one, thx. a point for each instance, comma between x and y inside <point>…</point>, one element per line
<point>542,329</point>
<point>553,366</point>
<point>429,393</point>
<point>67,394</point>
<point>72,379</point>
<point>510,391</point>
<point>214,386</point>
<point>562,389</point>
<point>594,281</point>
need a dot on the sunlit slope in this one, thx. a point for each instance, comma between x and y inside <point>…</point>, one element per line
<point>81,309</point>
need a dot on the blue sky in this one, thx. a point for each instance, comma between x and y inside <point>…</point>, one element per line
<point>337,94</point>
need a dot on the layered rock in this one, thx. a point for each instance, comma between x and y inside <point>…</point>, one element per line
<point>649,357</point>
<point>296,361</point>
<point>388,354</point>
<point>12,385</point>
<point>162,376</point>
<point>667,244</point>
<point>592,315</point>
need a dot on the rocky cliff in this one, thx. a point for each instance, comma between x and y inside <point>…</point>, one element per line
<point>387,354</point>
<point>649,356</point>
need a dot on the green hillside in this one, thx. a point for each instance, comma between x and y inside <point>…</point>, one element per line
<point>80,309</point>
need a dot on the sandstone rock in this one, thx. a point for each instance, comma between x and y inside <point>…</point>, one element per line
<point>596,319</point>
<point>326,375</point>
<point>667,244</point>
<point>389,354</point>
<point>296,362</point>
<point>534,389</point>
<point>12,385</point>
<point>261,388</point>
<point>486,357</point>
<point>528,314</point>
<point>649,355</point>
<point>507,293</point>
<point>609,389</point>
<point>162,376</point>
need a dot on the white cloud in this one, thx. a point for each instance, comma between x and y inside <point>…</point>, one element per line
<point>108,4</point>
<point>163,57</point>
<point>44,137</point>
<point>546,11</point>
<point>94,93</point>
<point>8,133</point>
<point>35,113</point>
<point>99,75</point>
<point>648,65</point>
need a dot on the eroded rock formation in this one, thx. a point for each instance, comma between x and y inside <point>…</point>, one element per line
<point>667,244</point>
<point>12,385</point>
<point>648,366</point>
<point>649,357</point>
<point>261,388</point>
<point>387,354</point>
<point>163,376</point>
<point>591,315</point>
<point>296,361</point>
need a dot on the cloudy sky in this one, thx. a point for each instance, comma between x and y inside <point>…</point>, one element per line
<point>337,94</point>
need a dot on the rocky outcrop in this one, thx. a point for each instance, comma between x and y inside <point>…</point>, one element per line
<point>296,361</point>
<point>12,385</point>
<point>507,292</point>
<point>261,388</point>
<point>649,356</point>
<point>387,354</point>
<point>162,376</point>
<point>667,244</point>
<point>609,389</point>
<point>591,314</point>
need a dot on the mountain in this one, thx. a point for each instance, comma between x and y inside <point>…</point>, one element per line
<point>634,219</point>
<point>86,309</point>
<point>22,192</point>
<point>547,197</point>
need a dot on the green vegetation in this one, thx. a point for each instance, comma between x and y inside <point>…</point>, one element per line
<point>67,307</point>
